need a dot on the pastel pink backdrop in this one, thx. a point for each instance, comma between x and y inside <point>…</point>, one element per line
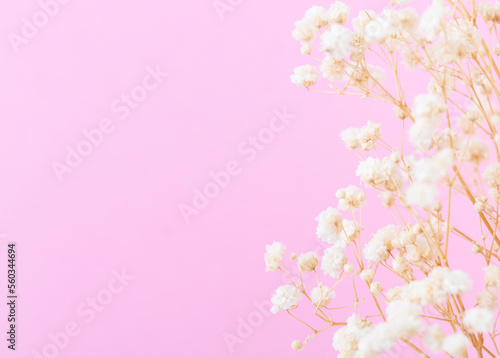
<point>194,282</point>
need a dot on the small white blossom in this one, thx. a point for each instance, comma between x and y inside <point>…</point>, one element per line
<point>304,76</point>
<point>433,20</point>
<point>336,41</point>
<point>338,13</point>
<point>479,320</point>
<point>329,225</point>
<point>322,295</point>
<point>285,297</point>
<point>308,262</point>
<point>456,344</point>
<point>274,255</point>
<point>457,282</point>
<point>333,260</point>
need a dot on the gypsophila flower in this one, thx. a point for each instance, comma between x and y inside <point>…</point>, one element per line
<point>333,260</point>
<point>479,320</point>
<point>433,20</point>
<point>487,299</point>
<point>367,275</point>
<point>336,42</point>
<point>297,345</point>
<point>379,247</point>
<point>377,339</point>
<point>332,69</point>
<point>285,298</point>
<point>492,277</point>
<point>368,135</point>
<point>308,262</point>
<point>455,344</point>
<point>304,31</point>
<point>491,175</point>
<point>316,15</point>
<point>305,76</point>
<point>350,198</point>
<point>274,255</point>
<point>457,282</point>
<point>434,338</point>
<point>350,137</point>
<point>345,340</point>
<point>329,225</point>
<point>338,13</point>
<point>321,295</point>
<point>438,180</point>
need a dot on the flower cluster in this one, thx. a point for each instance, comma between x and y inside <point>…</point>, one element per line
<point>449,148</point>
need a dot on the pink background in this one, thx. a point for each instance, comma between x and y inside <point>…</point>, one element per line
<point>196,281</point>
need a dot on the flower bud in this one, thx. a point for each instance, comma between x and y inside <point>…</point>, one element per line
<point>367,275</point>
<point>387,198</point>
<point>476,249</point>
<point>297,345</point>
<point>400,113</point>
<point>306,49</point>
<point>376,288</point>
<point>437,206</point>
<point>348,268</point>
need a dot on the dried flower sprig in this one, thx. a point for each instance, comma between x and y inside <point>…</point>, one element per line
<point>453,150</point>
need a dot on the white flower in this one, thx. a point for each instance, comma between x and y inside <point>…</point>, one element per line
<point>476,150</point>
<point>350,197</point>
<point>421,194</point>
<point>380,244</point>
<point>338,13</point>
<point>376,288</point>
<point>329,225</point>
<point>304,32</point>
<point>378,30</point>
<point>336,41</point>
<point>404,317</point>
<point>457,282</point>
<point>333,260</point>
<point>422,134</point>
<point>367,275</point>
<point>350,232</point>
<point>308,262</point>
<point>434,338</point>
<point>491,175</point>
<point>369,134</point>
<point>479,320</point>
<point>304,76</point>
<point>350,137</point>
<point>274,255</point>
<point>332,69</point>
<point>322,295</point>
<point>433,20</point>
<point>285,297</point>
<point>377,339</point>
<point>455,344</point>
<point>370,172</point>
<point>487,299</point>
<point>297,345</point>
<point>316,15</point>
<point>429,108</point>
<point>364,17</point>
<point>345,340</point>
<point>492,277</point>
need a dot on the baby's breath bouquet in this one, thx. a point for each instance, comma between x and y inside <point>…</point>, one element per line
<point>448,151</point>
